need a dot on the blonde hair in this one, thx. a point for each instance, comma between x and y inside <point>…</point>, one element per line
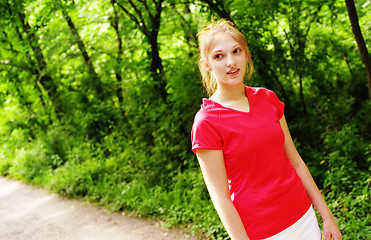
<point>206,39</point>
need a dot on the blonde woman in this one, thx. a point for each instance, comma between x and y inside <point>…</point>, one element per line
<point>259,184</point>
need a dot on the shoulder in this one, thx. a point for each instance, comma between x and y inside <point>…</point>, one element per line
<point>206,131</point>
<point>266,99</point>
<point>208,113</point>
<point>261,92</point>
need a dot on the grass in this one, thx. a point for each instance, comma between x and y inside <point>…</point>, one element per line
<point>78,169</point>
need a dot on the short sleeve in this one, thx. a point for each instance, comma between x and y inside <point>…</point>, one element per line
<point>206,132</point>
<point>278,104</point>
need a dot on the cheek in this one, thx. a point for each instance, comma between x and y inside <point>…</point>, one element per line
<point>218,68</point>
<point>244,60</point>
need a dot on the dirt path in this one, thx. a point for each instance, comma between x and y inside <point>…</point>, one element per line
<point>33,214</point>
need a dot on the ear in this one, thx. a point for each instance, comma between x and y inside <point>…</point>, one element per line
<point>203,62</point>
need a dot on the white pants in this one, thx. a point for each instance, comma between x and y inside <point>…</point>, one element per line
<point>306,228</point>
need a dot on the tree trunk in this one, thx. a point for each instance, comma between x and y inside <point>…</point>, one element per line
<point>95,84</point>
<point>366,59</point>
<point>44,78</point>
<point>157,68</point>
<point>156,61</point>
<point>115,25</point>
<point>150,29</point>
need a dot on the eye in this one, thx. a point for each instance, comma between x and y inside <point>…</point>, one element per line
<point>237,50</point>
<point>218,56</point>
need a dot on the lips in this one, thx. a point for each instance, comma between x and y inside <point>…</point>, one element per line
<point>233,72</point>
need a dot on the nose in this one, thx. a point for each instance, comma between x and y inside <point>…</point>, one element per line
<point>231,62</point>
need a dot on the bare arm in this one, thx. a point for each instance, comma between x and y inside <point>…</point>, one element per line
<point>215,176</point>
<point>329,225</point>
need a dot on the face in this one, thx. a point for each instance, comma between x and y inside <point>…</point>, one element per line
<point>227,60</point>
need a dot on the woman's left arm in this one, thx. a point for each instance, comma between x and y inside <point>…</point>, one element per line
<point>330,228</point>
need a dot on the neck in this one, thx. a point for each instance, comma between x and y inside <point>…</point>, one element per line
<point>229,93</point>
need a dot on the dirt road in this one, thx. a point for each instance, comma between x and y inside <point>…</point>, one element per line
<point>34,214</point>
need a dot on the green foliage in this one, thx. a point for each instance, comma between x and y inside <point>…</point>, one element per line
<point>91,111</point>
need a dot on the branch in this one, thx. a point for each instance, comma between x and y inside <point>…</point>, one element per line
<point>132,17</point>
<point>158,8</point>
<point>147,8</point>
<point>185,26</point>
<point>141,25</point>
<point>136,10</point>
<point>219,9</point>
<point>314,17</point>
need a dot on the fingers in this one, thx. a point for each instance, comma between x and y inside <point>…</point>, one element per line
<point>330,230</point>
<point>334,236</point>
<point>337,236</point>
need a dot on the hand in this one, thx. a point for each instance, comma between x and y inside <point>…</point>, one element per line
<point>330,230</point>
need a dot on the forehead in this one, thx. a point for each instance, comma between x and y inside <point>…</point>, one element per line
<point>223,42</point>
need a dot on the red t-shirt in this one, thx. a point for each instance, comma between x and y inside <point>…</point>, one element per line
<point>264,187</point>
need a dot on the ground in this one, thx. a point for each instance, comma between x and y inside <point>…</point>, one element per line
<point>30,213</point>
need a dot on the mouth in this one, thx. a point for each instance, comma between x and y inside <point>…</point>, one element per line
<point>233,72</point>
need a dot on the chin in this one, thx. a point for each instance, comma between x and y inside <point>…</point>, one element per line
<point>232,82</point>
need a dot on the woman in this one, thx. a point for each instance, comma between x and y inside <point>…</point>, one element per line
<point>259,185</point>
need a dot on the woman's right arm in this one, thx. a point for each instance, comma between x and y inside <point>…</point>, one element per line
<point>215,176</point>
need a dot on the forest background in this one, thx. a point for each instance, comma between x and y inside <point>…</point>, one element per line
<point>97,100</point>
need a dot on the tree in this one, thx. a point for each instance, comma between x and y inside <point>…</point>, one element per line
<point>366,59</point>
<point>27,35</point>
<point>95,81</point>
<point>147,17</point>
<point>116,25</point>
<point>218,6</point>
